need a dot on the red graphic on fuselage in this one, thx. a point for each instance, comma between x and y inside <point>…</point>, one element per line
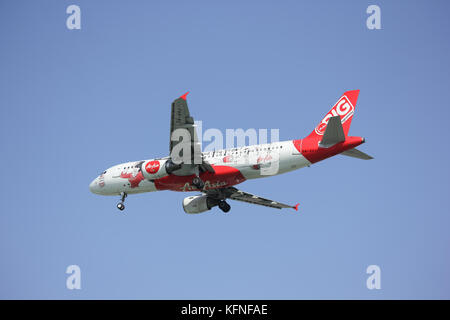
<point>133,180</point>
<point>208,185</point>
<point>266,158</point>
<point>224,176</point>
<point>152,167</point>
<point>101,180</point>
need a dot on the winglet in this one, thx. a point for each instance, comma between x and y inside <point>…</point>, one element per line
<point>184,95</point>
<point>296,207</point>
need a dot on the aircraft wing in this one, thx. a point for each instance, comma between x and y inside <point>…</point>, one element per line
<point>235,194</point>
<point>180,119</point>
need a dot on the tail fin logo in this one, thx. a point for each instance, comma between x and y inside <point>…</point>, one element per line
<point>342,108</point>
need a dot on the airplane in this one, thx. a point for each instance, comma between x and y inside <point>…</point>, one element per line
<point>214,174</point>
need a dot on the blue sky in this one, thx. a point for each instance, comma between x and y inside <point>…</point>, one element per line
<point>75,102</point>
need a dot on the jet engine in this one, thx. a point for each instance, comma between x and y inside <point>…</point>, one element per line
<point>198,204</point>
<point>158,168</point>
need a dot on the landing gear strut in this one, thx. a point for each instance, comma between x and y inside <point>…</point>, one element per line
<point>120,205</point>
<point>224,206</point>
<point>198,183</point>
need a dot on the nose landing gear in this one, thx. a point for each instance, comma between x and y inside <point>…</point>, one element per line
<point>120,205</point>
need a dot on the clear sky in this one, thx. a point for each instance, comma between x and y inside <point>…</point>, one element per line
<point>75,102</point>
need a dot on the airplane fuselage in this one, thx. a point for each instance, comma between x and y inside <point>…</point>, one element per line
<point>231,166</point>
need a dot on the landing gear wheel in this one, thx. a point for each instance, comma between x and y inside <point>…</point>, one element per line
<point>120,205</point>
<point>198,183</point>
<point>224,206</point>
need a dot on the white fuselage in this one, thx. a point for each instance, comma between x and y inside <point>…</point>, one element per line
<point>250,162</point>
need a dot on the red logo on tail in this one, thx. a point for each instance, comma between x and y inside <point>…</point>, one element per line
<point>342,108</point>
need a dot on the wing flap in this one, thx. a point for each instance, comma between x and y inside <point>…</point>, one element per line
<point>250,198</point>
<point>238,195</point>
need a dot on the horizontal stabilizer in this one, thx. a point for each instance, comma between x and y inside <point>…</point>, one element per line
<point>334,133</point>
<point>355,153</point>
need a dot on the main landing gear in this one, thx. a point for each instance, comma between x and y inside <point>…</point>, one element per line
<point>120,205</point>
<point>198,183</point>
<point>224,206</point>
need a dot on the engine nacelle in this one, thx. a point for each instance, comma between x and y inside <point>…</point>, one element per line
<point>154,169</point>
<point>158,168</point>
<point>197,204</point>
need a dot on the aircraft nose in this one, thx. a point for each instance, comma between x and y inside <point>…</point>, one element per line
<point>94,187</point>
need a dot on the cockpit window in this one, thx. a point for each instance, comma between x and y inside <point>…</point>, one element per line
<point>104,172</point>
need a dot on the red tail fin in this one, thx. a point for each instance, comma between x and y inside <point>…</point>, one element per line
<point>345,107</point>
